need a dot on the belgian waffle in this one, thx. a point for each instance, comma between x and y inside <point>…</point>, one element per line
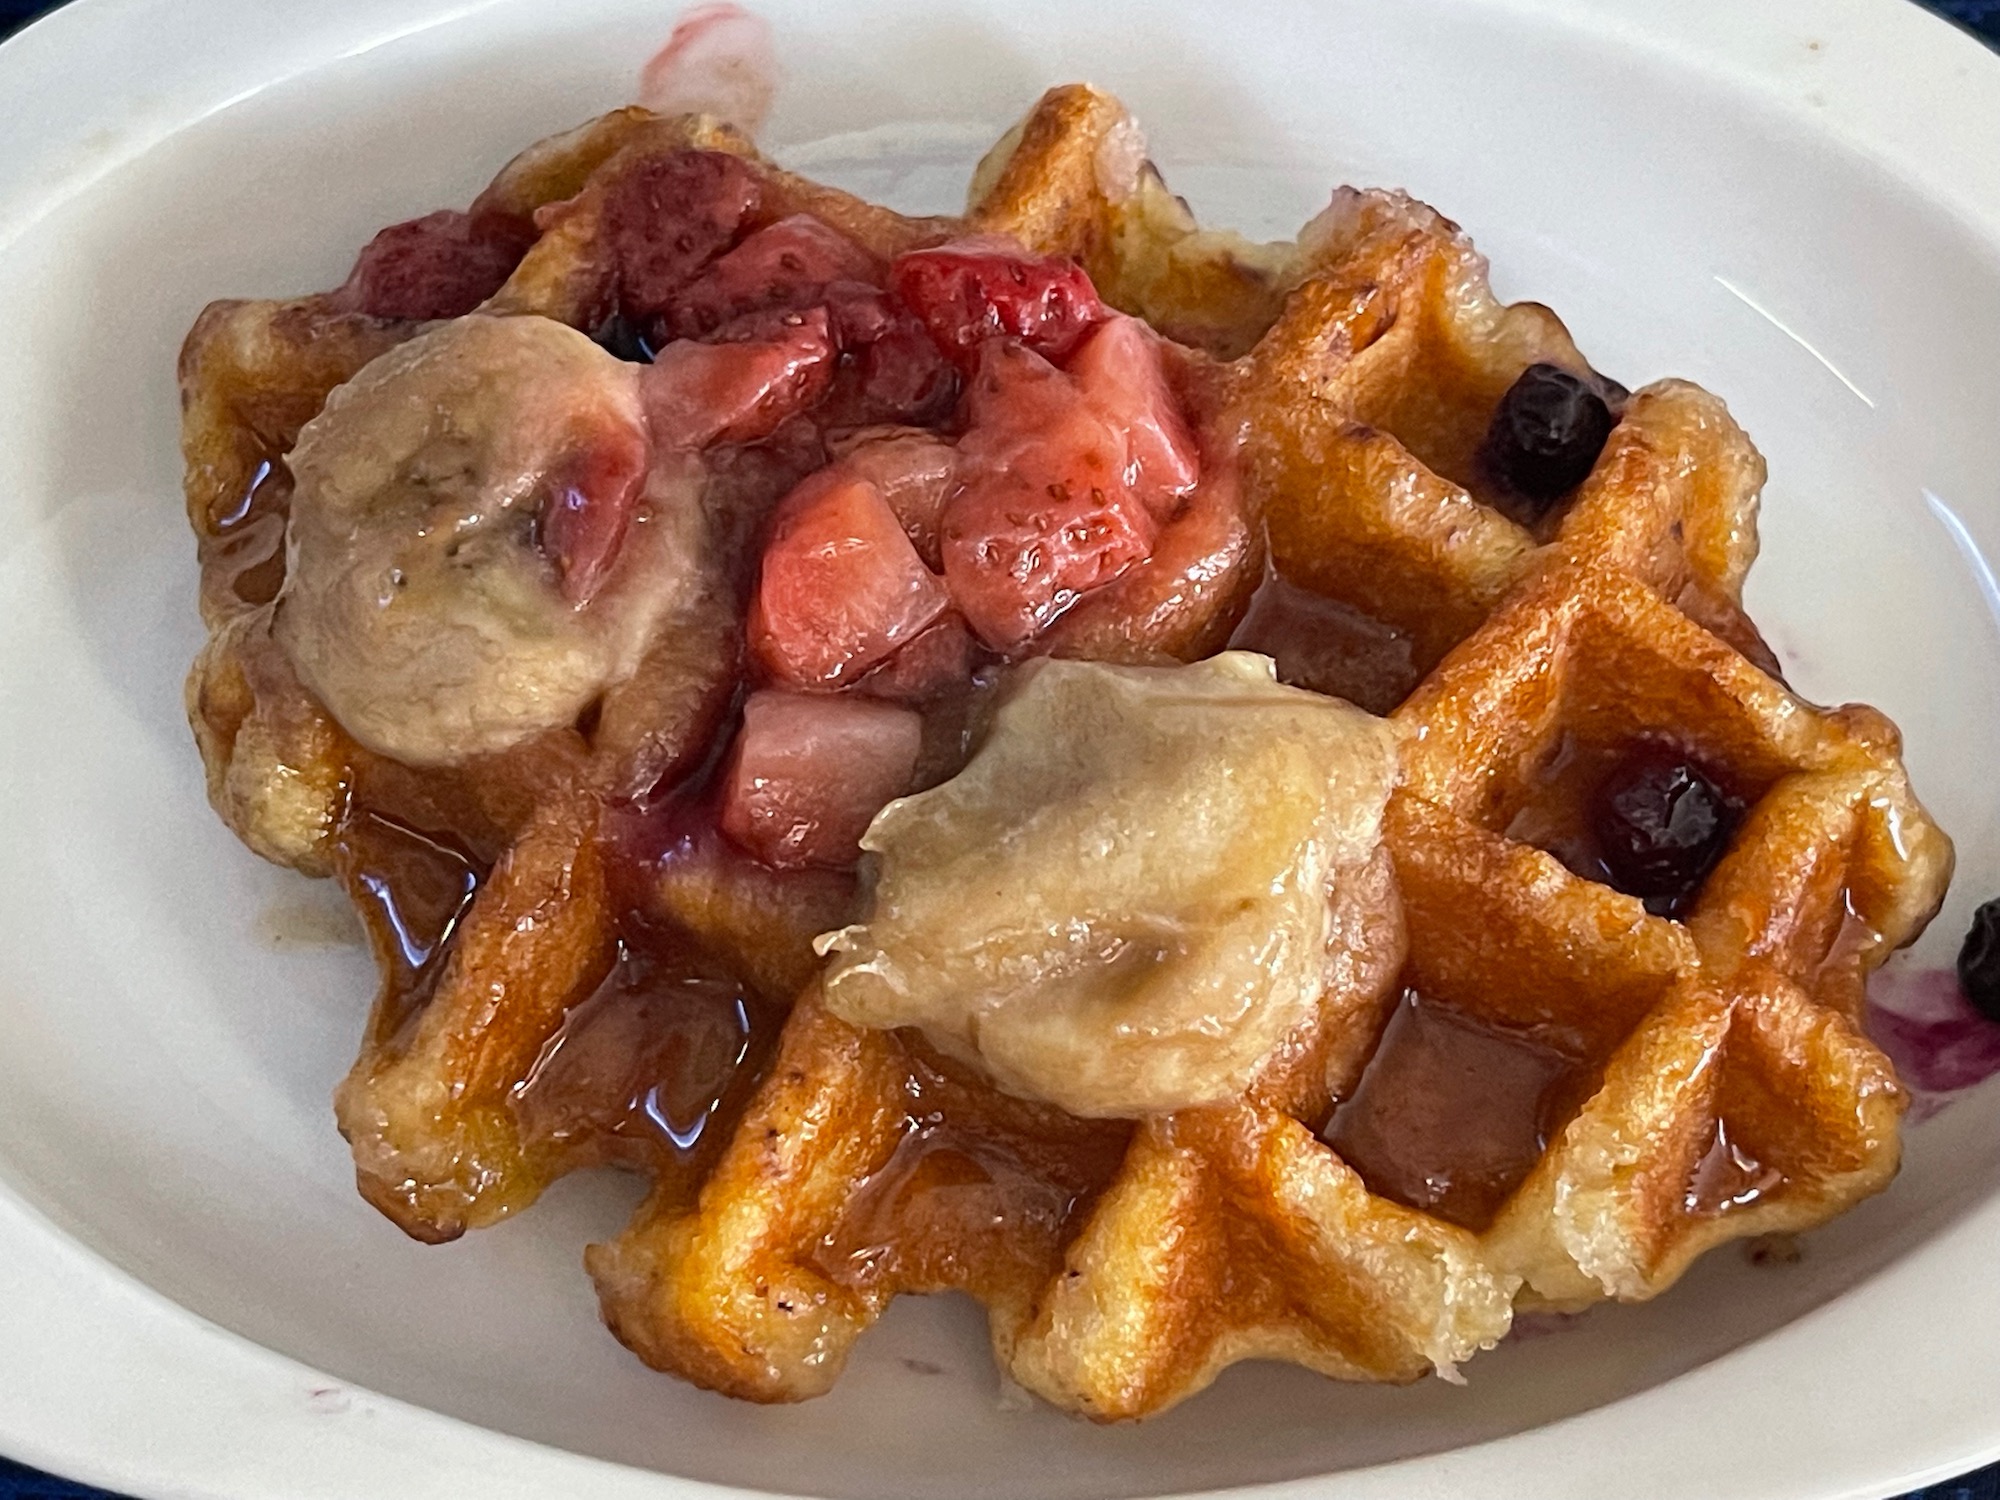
<point>1663,1083</point>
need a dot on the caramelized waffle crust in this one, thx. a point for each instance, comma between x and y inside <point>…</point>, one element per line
<point>1635,1086</point>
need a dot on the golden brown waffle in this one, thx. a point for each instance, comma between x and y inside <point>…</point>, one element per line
<point>1678,1082</point>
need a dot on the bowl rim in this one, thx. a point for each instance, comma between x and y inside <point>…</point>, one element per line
<point>127,1382</point>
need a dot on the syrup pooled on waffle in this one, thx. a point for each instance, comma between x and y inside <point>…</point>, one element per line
<point>1218,798</point>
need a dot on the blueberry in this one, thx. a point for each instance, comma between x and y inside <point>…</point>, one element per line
<point>620,336</point>
<point>1979,961</point>
<point>1661,824</point>
<point>1546,434</point>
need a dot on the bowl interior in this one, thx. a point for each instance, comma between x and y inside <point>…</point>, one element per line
<point>178,1013</point>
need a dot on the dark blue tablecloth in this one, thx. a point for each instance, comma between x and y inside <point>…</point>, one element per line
<point>19,1483</point>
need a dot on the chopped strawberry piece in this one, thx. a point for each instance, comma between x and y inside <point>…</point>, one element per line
<point>1045,512</point>
<point>977,289</point>
<point>1117,368</point>
<point>440,266</point>
<point>896,373</point>
<point>841,587</point>
<point>810,771</point>
<point>787,265</point>
<point>912,470</point>
<point>939,659</point>
<point>1182,600</point>
<point>666,217</point>
<point>698,394</point>
<point>587,503</point>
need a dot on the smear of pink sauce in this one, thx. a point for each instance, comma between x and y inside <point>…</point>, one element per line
<point>1940,1045</point>
<point>1539,1324</point>
<point>719,61</point>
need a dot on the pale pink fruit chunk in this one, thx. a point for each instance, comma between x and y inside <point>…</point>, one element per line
<point>809,772</point>
<point>1117,368</point>
<point>698,394</point>
<point>841,587</point>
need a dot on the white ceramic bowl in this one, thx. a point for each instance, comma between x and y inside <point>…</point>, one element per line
<point>1797,205</point>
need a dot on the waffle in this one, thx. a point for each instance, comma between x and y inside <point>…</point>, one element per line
<point>1658,1084</point>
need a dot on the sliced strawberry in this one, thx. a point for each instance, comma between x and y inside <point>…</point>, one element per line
<point>440,266</point>
<point>938,660</point>
<point>841,587</point>
<point>787,265</point>
<point>982,288</point>
<point>666,217</point>
<point>698,394</point>
<point>912,470</point>
<point>588,496</point>
<point>1117,368</point>
<point>810,771</point>
<point>1044,512</point>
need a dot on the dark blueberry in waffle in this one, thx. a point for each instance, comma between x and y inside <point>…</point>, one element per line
<point>1661,825</point>
<point>1546,434</point>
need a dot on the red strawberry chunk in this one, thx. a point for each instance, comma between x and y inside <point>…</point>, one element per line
<point>841,587</point>
<point>809,771</point>
<point>912,470</point>
<point>1045,512</point>
<point>666,217</point>
<point>787,265</point>
<point>440,266</point>
<point>1117,368</point>
<point>588,496</point>
<point>982,288</point>
<point>698,394</point>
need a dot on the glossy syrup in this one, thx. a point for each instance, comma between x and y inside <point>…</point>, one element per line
<point>1328,647</point>
<point>641,1071</point>
<point>1727,1175</point>
<point>970,1194</point>
<point>1452,1112</point>
<point>243,556</point>
<point>412,890</point>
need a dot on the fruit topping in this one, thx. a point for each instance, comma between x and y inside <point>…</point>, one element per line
<point>440,266</point>
<point>737,392</point>
<point>666,217</point>
<point>588,495</point>
<point>1047,509</point>
<point>1117,368</point>
<point>468,560</point>
<point>810,771</point>
<point>1121,904</point>
<point>977,289</point>
<point>937,661</point>
<point>1546,435</point>
<point>788,265</point>
<point>1979,961</point>
<point>1661,824</point>
<point>912,470</point>
<point>897,373</point>
<point>841,587</point>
